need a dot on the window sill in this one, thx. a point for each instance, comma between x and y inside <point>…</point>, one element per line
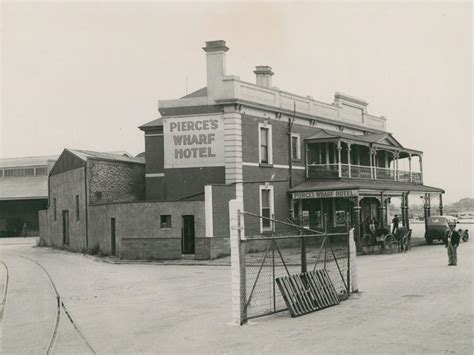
<point>296,160</point>
<point>265,165</point>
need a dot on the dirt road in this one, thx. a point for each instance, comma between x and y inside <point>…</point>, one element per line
<point>409,303</point>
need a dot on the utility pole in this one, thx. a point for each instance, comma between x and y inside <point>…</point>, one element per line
<point>290,150</point>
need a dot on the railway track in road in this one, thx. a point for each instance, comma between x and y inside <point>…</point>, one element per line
<point>60,305</point>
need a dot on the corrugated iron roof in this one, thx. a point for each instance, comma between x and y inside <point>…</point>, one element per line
<point>155,123</point>
<point>85,154</point>
<point>202,92</point>
<point>26,161</point>
<point>379,185</point>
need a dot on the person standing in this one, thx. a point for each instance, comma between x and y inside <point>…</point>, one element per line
<point>451,242</point>
<point>395,222</point>
<point>24,230</point>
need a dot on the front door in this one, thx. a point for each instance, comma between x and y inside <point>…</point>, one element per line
<point>112,236</point>
<point>66,227</point>
<point>187,232</point>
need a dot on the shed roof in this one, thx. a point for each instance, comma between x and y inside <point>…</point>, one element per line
<point>26,161</point>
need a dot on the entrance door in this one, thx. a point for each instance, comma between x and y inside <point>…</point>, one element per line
<point>187,235</point>
<point>112,236</point>
<point>66,227</point>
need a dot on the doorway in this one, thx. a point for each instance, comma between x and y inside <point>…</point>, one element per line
<point>65,227</point>
<point>112,236</point>
<point>187,235</point>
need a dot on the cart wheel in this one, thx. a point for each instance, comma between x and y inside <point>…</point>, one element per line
<point>367,246</point>
<point>391,244</point>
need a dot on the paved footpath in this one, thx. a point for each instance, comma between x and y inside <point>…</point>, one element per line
<point>409,303</point>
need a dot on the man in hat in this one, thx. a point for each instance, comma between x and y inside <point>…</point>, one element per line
<point>451,242</point>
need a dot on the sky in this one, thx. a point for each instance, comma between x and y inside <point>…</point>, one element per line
<point>86,74</point>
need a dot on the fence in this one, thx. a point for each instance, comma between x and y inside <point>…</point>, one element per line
<point>285,249</point>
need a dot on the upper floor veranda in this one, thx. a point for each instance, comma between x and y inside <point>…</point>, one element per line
<point>376,157</point>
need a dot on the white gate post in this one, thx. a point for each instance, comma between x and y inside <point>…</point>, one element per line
<point>237,259</point>
<point>353,287</point>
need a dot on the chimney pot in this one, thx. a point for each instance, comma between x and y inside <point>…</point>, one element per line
<point>264,75</point>
<point>215,46</point>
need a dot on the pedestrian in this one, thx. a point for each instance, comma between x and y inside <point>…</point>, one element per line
<point>451,242</point>
<point>24,229</point>
<point>395,222</point>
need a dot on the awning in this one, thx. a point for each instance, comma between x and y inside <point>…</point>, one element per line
<point>361,185</point>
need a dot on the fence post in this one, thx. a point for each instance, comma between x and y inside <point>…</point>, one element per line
<point>352,272</point>
<point>237,258</point>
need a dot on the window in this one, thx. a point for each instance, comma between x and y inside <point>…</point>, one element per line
<point>19,172</point>
<point>266,207</point>
<point>165,221</point>
<point>295,146</point>
<point>77,207</point>
<point>265,143</point>
<point>98,195</point>
<point>41,171</point>
<point>55,209</point>
<point>1,173</point>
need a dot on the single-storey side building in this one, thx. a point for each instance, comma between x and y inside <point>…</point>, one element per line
<point>80,179</point>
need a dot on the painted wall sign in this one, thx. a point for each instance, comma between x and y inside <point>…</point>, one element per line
<point>193,141</point>
<point>324,194</point>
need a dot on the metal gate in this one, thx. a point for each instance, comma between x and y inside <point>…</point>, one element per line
<point>293,250</point>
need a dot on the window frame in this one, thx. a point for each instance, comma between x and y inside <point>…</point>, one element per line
<point>77,208</point>
<point>266,187</point>
<point>55,209</point>
<point>268,128</point>
<point>168,223</point>
<point>298,146</point>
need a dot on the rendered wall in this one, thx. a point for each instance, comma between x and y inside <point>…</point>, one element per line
<point>64,187</point>
<point>138,231</point>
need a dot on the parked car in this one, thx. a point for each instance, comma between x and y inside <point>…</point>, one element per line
<point>437,227</point>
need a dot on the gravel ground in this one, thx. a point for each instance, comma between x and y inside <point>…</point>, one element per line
<point>409,303</point>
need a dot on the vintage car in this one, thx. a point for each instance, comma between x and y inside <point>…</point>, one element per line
<point>437,227</point>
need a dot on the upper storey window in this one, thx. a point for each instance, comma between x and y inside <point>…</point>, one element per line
<point>295,146</point>
<point>265,143</point>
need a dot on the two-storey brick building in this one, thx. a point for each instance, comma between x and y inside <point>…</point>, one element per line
<point>281,154</point>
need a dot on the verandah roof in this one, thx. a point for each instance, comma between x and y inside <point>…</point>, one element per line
<point>354,184</point>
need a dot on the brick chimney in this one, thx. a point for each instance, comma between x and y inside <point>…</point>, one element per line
<point>264,75</point>
<point>216,70</point>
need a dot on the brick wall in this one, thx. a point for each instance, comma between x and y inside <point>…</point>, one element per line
<point>115,181</point>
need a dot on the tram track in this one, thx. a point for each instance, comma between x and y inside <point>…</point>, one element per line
<point>59,305</point>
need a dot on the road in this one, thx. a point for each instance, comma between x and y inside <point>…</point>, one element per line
<point>409,303</point>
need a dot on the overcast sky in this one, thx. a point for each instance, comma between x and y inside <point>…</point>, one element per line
<point>85,75</point>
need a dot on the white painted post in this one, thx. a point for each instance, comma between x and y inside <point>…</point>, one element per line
<point>353,287</point>
<point>349,159</point>
<point>237,258</point>
<point>339,166</point>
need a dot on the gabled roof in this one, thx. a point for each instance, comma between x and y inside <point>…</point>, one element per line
<point>198,93</point>
<point>86,154</point>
